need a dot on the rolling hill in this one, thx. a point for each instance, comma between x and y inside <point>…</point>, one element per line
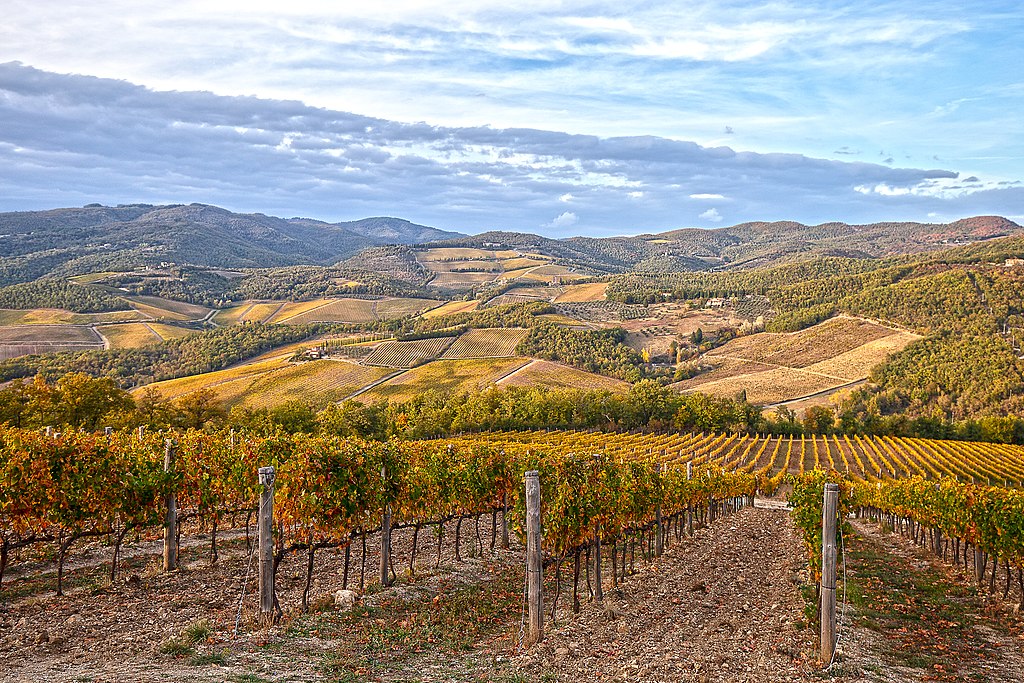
<point>95,237</point>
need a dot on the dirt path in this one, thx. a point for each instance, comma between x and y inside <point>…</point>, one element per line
<point>723,607</point>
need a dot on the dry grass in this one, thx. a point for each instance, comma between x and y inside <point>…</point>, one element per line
<point>516,274</point>
<point>262,312</point>
<point>486,343</point>
<point>545,273</point>
<point>232,315</point>
<point>442,253</point>
<point>771,386</point>
<point>592,291</point>
<point>545,373</point>
<point>174,388</point>
<point>858,363</point>
<point>773,368</point>
<point>452,307</point>
<point>170,331</point>
<point>806,347</point>
<point>129,336</point>
<point>523,262</point>
<point>444,376</point>
<point>316,382</point>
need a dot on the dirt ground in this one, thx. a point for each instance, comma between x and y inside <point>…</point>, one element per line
<point>913,617</point>
<point>724,606</point>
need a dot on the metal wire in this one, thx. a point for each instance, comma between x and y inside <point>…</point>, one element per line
<point>842,617</point>
<point>245,581</point>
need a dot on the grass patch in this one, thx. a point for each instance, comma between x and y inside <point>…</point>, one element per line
<point>208,658</point>
<point>928,622</point>
<point>393,633</point>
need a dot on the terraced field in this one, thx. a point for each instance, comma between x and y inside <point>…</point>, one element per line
<point>406,354</point>
<point>316,382</point>
<point>292,309</point>
<point>261,312</point>
<point>165,308</point>
<point>169,331</point>
<point>592,291</point>
<point>22,340</point>
<point>129,335</point>
<point>447,376</point>
<point>392,309</point>
<point>338,310</point>
<point>452,307</point>
<point>777,368</point>
<point>232,315</point>
<point>486,343</point>
<point>57,316</point>
<point>548,374</point>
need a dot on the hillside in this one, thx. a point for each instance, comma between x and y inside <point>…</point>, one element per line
<point>94,237</point>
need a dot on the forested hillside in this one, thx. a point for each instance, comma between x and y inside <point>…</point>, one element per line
<point>95,237</point>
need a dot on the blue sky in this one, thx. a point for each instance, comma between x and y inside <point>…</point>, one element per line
<point>552,117</point>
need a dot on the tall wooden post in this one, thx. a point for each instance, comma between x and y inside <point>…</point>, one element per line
<point>689,508</point>
<point>504,522</point>
<point>599,590</point>
<point>265,527</point>
<point>534,559</point>
<point>171,511</point>
<point>385,539</point>
<point>829,517</point>
<point>659,537</point>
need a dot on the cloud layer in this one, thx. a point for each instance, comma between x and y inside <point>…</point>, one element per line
<point>70,140</point>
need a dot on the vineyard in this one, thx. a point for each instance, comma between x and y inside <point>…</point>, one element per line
<point>331,491</point>
<point>866,458</point>
<point>608,500</point>
<point>494,342</point>
<point>406,354</point>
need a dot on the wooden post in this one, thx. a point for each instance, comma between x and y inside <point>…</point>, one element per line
<point>504,522</point>
<point>599,589</point>
<point>171,512</point>
<point>689,508</point>
<point>265,525</point>
<point>142,432</point>
<point>534,559</point>
<point>829,518</point>
<point>659,539</point>
<point>385,539</point>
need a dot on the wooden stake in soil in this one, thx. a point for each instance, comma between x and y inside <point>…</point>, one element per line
<point>828,572</point>
<point>266,544</point>
<point>385,540</point>
<point>534,559</point>
<point>171,514</point>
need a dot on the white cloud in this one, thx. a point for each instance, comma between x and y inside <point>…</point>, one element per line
<point>566,198</point>
<point>711,215</point>
<point>635,195</point>
<point>703,195</point>
<point>566,219</point>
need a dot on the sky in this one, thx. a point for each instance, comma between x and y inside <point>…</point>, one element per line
<point>558,118</point>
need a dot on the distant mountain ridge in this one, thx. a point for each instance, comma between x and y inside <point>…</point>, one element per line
<point>96,237</point>
<point>750,244</point>
<point>72,241</point>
